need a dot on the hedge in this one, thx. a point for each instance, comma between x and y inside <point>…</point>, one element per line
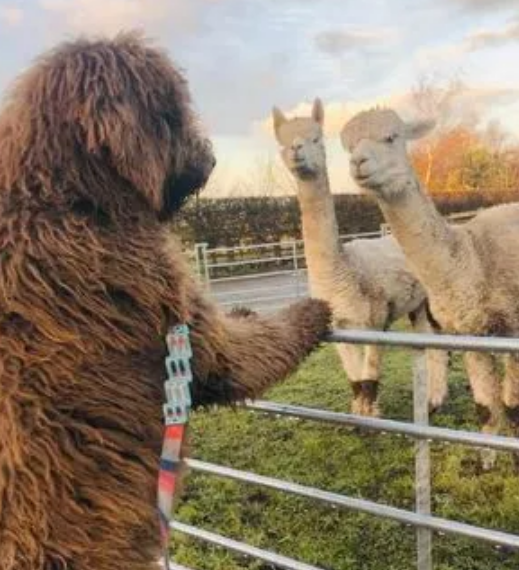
<point>244,221</point>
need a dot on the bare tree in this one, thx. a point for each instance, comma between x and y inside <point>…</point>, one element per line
<point>433,98</point>
<point>268,178</point>
<point>496,137</point>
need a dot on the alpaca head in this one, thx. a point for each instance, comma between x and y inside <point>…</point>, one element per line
<point>377,141</point>
<point>301,140</point>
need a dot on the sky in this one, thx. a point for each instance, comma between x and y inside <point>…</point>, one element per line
<point>241,57</point>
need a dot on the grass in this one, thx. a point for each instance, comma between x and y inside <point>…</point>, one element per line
<point>372,466</point>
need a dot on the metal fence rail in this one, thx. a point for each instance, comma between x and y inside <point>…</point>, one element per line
<point>426,340</point>
<point>421,518</point>
<point>241,548</point>
<point>412,430</point>
<point>360,505</point>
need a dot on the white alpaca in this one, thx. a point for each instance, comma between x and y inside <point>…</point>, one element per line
<point>470,272</point>
<point>366,282</point>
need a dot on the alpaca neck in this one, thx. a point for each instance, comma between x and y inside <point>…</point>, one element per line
<point>432,247</point>
<point>320,232</point>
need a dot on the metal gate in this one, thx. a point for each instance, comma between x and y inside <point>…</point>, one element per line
<point>421,518</point>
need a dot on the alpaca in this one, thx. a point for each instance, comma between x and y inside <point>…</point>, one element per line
<point>470,272</point>
<point>90,282</point>
<point>366,282</point>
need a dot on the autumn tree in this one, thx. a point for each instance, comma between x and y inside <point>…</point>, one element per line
<point>431,99</point>
<point>461,154</point>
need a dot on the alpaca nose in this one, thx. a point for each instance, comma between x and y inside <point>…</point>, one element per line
<point>358,160</point>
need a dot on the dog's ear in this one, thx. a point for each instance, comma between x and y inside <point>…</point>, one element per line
<point>119,128</point>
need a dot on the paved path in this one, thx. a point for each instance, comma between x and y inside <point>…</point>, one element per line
<point>263,294</point>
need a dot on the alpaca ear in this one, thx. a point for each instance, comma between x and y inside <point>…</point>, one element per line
<point>346,135</point>
<point>318,111</point>
<point>279,120</point>
<point>418,129</point>
<point>118,131</point>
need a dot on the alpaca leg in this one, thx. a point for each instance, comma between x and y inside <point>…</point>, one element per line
<point>484,381</point>
<point>511,391</point>
<point>351,356</point>
<point>370,379</point>
<point>436,362</point>
<point>354,361</point>
<point>362,365</point>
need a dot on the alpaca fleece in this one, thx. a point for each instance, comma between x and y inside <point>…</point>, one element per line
<point>99,147</point>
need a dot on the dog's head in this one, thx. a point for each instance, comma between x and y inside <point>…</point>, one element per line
<point>122,104</point>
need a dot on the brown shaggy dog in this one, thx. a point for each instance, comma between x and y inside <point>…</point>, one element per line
<point>98,148</point>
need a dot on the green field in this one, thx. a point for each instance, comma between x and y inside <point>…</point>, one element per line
<point>372,466</point>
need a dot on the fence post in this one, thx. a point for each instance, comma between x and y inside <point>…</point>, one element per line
<point>198,260</point>
<point>207,277</point>
<point>296,268</point>
<point>422,462</point>
<point>201,263</point>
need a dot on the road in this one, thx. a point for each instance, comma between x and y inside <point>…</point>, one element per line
<point>264,293</point>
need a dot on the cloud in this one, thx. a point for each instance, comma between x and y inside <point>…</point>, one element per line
<point>470,106</point>
<point>111,16</point>
<point>485,5</point>
<point>475,41</point>
<point>492,38</point>
<point>338,42</point>
<point>483,99</point>
<point>11,16</point>
<point>478,39</point>
<point>438,56</point>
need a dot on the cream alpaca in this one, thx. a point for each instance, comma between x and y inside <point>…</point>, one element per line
<point>470,272</point>
<point>366,282</point>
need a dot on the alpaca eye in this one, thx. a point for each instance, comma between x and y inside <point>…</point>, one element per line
<point>390,138</point>
<point>316,140</point>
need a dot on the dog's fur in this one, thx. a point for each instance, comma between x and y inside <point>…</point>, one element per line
<point>99,148</point>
